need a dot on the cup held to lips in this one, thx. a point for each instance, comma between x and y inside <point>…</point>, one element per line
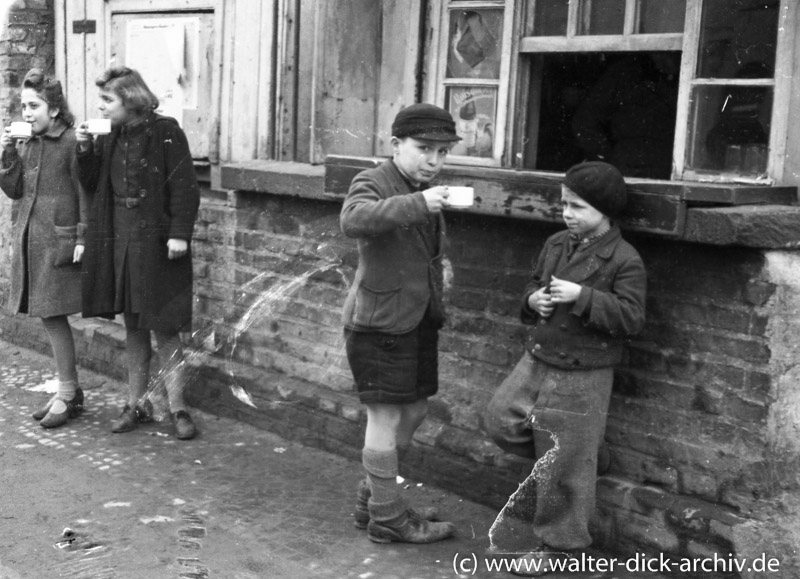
<point>98,126</point>
<point>20,130</point>
<point>460,196</point>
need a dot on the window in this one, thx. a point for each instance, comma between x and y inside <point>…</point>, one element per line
<point>474,59</point>
<point>678,89</point>
<point>732,92</point>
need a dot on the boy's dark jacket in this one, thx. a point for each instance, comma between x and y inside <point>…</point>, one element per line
<point>399,272</point>
<point>591,332</point>
<point>169,199</point>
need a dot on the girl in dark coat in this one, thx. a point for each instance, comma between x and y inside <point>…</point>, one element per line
<point>145,200</point>
<point>49,219</point>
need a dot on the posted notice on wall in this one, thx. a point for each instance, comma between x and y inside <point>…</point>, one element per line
<point>164,51</point>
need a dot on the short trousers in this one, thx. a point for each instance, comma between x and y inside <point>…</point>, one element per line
<point>395,368</point>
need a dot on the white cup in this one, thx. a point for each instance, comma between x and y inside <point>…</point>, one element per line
<point>20,130</point>
<point>98,126</point>
<point>460,196</point>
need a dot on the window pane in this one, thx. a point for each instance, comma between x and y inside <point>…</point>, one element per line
<point>550,18</point>
<point>660,17</point>
<point>620,108</point>
<point>730,131</point>
<point>474,110</point>
<point>599,17</point>
<point>475,44</point>
<point>738,38</point>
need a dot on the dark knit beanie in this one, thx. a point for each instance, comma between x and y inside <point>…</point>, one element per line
<point>425,121</point>
<point>599,184</point>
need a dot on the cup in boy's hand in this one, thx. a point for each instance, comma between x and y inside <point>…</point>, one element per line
<point>20,130</point>
<point>460,196</point>
<point>98,126</point>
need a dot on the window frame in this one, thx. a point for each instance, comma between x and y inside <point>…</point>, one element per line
<point>514,95</point>
<point>780,84</point>
<point>441,15</point>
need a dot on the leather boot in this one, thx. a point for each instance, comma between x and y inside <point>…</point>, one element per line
<point>184,426</point>
<point>361,514</point>
<point>131,417</point>
<point>392,521</point>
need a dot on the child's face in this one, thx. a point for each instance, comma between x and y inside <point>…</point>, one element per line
<point>418,159</point>
<point>37,112</point>
<point>581,218</point>
<point>112,108</point>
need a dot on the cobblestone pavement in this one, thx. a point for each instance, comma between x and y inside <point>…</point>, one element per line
<point>235,502</point>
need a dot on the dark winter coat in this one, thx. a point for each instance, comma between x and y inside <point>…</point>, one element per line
<point>169,199</point>
<point>591,332</point>
<point>49,217</point>
<point>400,247</point>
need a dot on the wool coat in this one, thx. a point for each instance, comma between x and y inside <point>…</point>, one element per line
<point>168,202</point>
<point>400,245</point>
<point>49,217</point>
<point>591,332</point>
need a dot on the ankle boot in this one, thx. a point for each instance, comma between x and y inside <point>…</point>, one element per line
<point>131,417</point>
<point>392,521</point>
<point>361,514</point>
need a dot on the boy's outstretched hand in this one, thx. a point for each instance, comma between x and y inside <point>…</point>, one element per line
<point>563,291</point>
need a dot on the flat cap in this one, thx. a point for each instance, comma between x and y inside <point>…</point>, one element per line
<point>425,121</point>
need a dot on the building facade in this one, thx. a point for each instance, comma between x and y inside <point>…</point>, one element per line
<point>284,101</point>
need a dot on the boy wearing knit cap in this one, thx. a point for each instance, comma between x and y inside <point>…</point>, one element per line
<point>587,295</point>
<point>393,313</point>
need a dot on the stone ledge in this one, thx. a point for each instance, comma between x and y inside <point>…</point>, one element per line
<point>276,177</point>
<point>664,208</point>
<point>759,226</point>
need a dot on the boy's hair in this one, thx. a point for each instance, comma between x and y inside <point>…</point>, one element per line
<point>129,85</point>
<point>599,184</point>
<point>49,91</point>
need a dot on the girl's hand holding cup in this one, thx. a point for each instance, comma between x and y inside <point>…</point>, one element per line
<point>6,142</point>
<point>83,136</point>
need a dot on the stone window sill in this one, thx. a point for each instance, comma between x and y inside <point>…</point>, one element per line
<point>711,213</point>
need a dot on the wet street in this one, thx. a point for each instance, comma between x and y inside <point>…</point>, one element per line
<point>236,502</point>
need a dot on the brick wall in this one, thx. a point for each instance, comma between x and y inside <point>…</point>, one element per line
<point>702,451</point>
<point>702,429</point>
<point>700,458</point>
<point>693,456</point>
<point>25,42</point>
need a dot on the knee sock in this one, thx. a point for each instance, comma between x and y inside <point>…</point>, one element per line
<point>138,352</point>
<point>60,335</point>
<point>172,368</point>
<point>381,467</point>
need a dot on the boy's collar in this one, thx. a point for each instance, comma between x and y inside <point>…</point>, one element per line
<point>417,187</point>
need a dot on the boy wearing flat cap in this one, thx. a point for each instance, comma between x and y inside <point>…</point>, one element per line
<point>393,313</point>
<point>586,297</point>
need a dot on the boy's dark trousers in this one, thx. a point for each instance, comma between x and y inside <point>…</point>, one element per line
<point>557,417</point>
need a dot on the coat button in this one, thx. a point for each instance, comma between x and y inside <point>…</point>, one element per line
<point>537,346</point>
<point>604,344</point>
<point>143,162</point>
<point>543,322</point>
<point>563,327</point>
<point>143,224</point>
<point>142,193</point>
<point>562,354</point>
